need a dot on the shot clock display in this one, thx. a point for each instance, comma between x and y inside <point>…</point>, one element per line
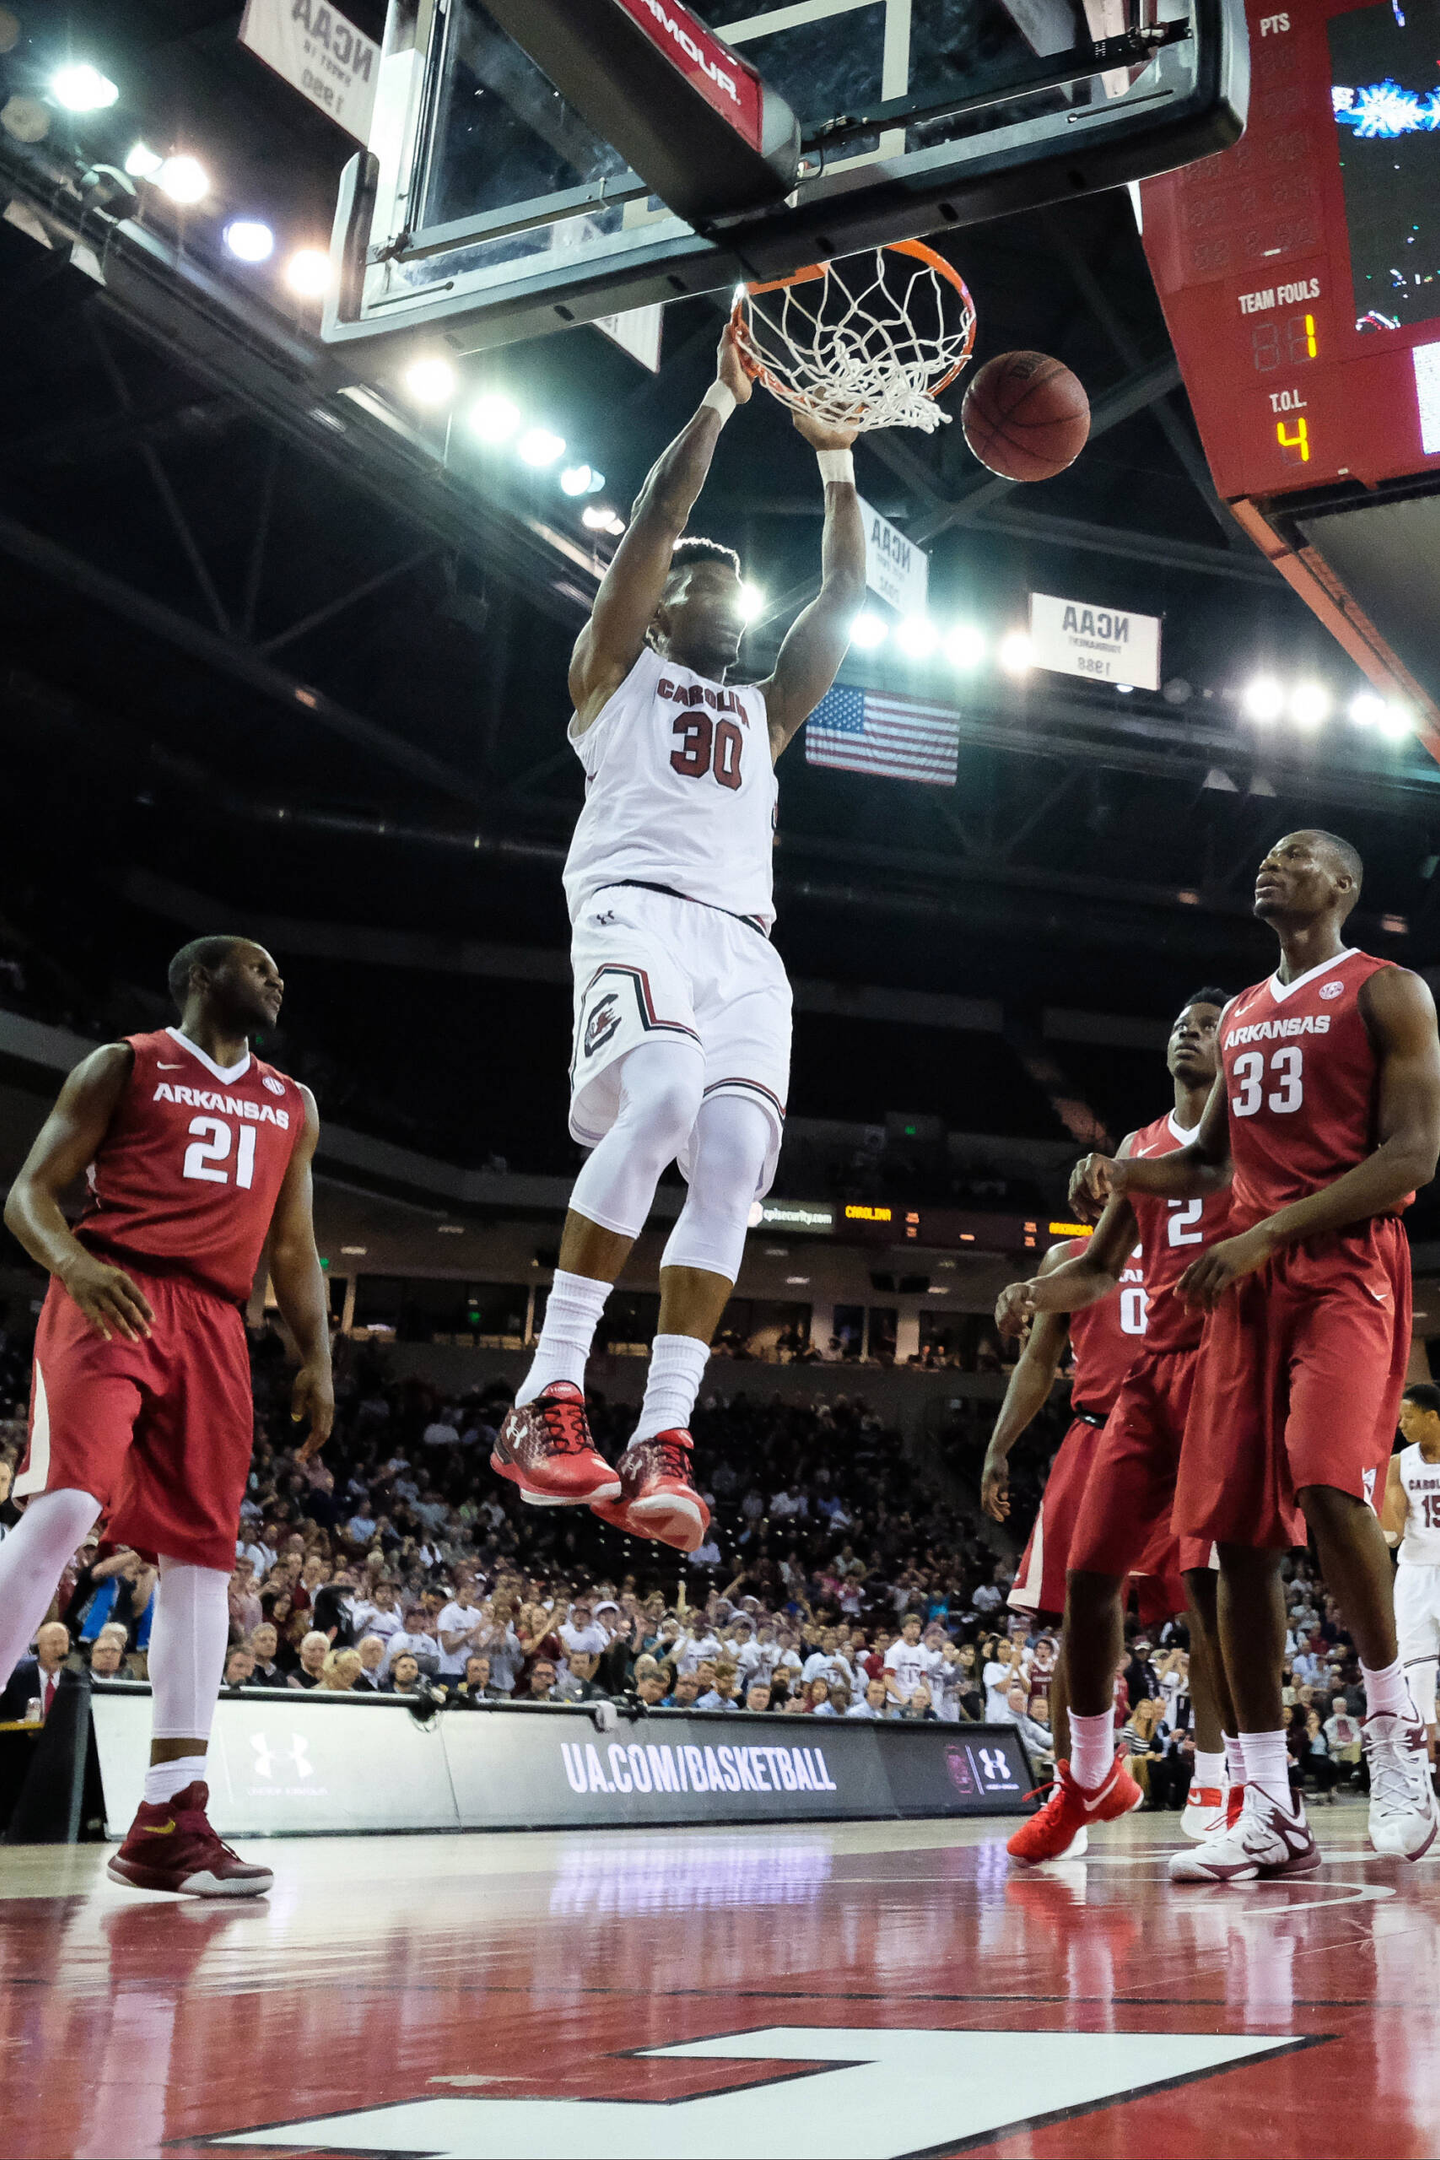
<point>1300,270</point>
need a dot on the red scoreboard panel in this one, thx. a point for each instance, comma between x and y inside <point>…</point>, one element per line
<point>1299,272</point>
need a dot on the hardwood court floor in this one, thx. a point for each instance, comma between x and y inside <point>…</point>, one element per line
<point>865,1990</point>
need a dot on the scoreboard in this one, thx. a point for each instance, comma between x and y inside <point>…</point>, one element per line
<point>1299,272</point>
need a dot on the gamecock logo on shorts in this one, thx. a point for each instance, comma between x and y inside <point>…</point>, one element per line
<point>602,1024</point>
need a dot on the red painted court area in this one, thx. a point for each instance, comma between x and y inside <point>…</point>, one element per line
<point>868,1990</point>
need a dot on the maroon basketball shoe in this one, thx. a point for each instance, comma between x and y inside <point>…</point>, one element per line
<point>657,1494</point>
<point>171,1846</point>
<point>546,1449</point>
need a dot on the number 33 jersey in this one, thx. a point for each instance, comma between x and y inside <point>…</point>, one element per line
<point>1172,1234</point>
<point>1302,1080</point>
<point>679,791</point>
<point>188,1174</point>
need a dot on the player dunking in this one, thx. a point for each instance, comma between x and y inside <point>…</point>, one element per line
<point>194,1153</point>
<point>1411,1515</point>
<point>682,1008</point>
<point>1123,1522</point>
<point>1327,1115</point>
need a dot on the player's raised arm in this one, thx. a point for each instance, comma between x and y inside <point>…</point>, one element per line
<point>1072,1285</point>
<point>1201,1167</point>
<point>300,1288</point>
<point>630,591</point>
<point>816,642</point>
<point>64,1146</point>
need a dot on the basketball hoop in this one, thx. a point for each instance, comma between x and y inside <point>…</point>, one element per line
<point>869,342</point>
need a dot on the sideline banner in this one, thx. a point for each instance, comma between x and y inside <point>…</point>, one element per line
<point>287,1763</point>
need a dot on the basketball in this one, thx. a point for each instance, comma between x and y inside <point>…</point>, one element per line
<point>1026,416</point>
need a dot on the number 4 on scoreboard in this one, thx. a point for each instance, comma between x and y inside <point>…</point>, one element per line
<point>1295,447</point>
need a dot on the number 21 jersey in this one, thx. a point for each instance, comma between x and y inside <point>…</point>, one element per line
<point>679,791</point>
<point>1302,1080</point>
<point>188,1174</point>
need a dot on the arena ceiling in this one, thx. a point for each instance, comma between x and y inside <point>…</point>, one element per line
<point>261,635</point>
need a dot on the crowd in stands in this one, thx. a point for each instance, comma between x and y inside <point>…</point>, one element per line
<point>834,1583</point>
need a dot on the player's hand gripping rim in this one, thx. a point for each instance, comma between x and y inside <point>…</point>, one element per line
<point>110,1301</point>
<point>1094,1180</point>
<point>1206,1280</point>
<point>313,1398</point>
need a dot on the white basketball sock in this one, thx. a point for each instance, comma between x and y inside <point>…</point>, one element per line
<point>1092,1748</point>
<point>1209,1769</point>
<point>1234,1759</point>
<point>163,1780</point>
<point>1385,1688</point>
<point>1267,1766</point>
<point>572,1315</point>
<point>677,1366</point>
<point>187,1650</point>
<point>32,1560</point>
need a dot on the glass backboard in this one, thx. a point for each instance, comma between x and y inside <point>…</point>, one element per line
<point>488,209</point>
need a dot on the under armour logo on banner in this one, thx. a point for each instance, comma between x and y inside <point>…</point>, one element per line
<point>297,1755</point>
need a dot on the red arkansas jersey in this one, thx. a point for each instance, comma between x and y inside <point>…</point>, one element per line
<point>1106,1339</point>
<point>1172,1234</point>
<point>189,1172</point>
<point>1302,1077</point>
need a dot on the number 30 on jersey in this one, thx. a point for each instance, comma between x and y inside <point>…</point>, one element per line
<point>1281,1089</point>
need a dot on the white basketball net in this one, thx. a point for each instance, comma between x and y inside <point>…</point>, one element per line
<point>866,343</point>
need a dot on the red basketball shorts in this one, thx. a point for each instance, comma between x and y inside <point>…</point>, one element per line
<point>1040,1585</point>
<point>1299,1382</point>
<point>159,1431</point>
<point>1124,1525</point>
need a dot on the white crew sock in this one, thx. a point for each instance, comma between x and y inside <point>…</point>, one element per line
<point>1234,1760</point>
<point>1386,1689</point>
<point>677,1366</point>
<point>1092,1748</point>
<point>1210,1769</point>
<point>1267,1766</point>
<point>572,1314</point>
<point>164,1780</point>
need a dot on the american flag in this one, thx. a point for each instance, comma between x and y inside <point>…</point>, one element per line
<point>897,738</point>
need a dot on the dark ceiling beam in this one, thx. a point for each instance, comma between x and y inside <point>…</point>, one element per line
<point>238,348</point>
<point>1186,449</point>
<point>1139,389</point>
<point>238,661</point>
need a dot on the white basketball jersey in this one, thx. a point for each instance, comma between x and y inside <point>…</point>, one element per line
<point>1420,1546</point>
<point>679,791</point>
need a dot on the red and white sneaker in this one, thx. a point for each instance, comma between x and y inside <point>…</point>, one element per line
<point>1204,1812</point>
<point>171,1846</point>
<point>1404,1817</point>
<point>547,1450</point>
<point>1265,1841</point>
<point>657,1494</point>
<point>1061,1830</point>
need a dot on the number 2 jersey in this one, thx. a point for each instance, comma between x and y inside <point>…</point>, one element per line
<point>1302,1079</point>
<point>186,1179</point>
<point>680,792</point>
<point>1172,1234</point>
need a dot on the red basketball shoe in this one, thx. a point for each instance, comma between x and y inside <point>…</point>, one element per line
<point>171,1846</point>
<point>1061,1829</point>
<point>546,1449</point>
<point>657,1494</point>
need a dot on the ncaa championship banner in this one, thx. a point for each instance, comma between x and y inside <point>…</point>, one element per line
<point>287,1763</point>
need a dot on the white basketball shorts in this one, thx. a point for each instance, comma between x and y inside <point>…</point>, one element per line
<point>1417,1611</point>
<point>653,968</point>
